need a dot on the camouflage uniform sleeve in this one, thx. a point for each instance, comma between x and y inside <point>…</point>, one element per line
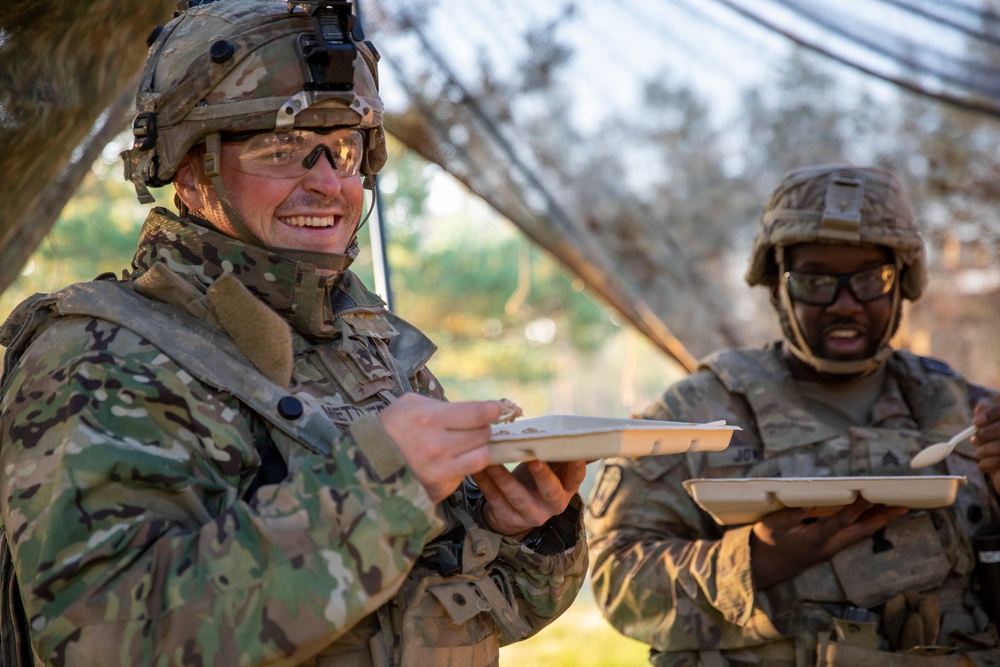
<point>547,569</point>
<point>663,572</point>
<point>122,499</point>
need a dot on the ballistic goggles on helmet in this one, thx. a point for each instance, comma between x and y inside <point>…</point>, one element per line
<point>292,153</point>
<point>821,289</point>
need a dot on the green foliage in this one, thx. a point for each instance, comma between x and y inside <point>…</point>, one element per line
<point>578,638</point>
<point>497,307</point>
<point>95,233</point>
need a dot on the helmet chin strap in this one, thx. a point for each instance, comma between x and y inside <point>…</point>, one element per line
<point>321,260</point>
<point>802,351</point>
<point>213,169</point>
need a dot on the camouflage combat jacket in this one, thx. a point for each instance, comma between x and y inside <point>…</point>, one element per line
<point>665,573</point>
<point>156,518</point>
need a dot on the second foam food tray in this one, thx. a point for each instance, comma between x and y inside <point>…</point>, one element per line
<point>746,500</point>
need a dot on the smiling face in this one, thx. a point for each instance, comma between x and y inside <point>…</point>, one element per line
<point>846,329</point>
<point>317,211</point>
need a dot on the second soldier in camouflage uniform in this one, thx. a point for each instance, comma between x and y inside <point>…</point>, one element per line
<point>866,585</point>
<point>237,456</point>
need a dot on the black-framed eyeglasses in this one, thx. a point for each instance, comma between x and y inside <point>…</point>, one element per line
<point>820,289</point>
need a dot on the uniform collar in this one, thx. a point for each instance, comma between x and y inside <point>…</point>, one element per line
<point>309,300</point>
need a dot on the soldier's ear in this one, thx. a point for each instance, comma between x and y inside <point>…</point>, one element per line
<point>775,301</point>
<point>189,180</point>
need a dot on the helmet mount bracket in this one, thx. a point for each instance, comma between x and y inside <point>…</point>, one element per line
<point>328,55</point>
<point>841,218</point>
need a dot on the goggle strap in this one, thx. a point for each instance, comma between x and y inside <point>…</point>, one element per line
<point>366,171</point>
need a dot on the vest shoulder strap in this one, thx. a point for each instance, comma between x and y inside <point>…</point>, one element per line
<point>935,393</point>
<point>208,354</point>
<point>738,369</point>
<point>15,643</point>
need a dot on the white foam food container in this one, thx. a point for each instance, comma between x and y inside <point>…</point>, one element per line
<point>572,438</point>
<point>747,500</point>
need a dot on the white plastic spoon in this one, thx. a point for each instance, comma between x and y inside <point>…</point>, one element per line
<point>938,452</point>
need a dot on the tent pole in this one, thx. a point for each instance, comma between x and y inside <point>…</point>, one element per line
<point>380,261</point>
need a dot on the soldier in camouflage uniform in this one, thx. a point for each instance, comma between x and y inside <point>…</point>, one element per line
<point>237,455</point>
<point>865,584</point>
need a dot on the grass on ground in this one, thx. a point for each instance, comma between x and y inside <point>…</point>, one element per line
<point>579,638</point>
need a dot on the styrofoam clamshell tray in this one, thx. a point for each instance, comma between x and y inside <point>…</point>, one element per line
<point>746,500</point>
<point>572,438</point>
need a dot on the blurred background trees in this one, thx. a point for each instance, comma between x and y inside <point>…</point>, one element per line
<point>632,145</point>
<point>572,185</point>
<point>511,321</point>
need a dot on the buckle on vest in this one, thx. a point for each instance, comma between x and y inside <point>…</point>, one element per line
<point>144,130</point>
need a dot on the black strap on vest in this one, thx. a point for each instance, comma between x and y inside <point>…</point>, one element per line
<point>15,644</point>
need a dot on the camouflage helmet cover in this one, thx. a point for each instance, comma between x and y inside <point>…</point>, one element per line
<point>235,66</point>
<point>840,204</point>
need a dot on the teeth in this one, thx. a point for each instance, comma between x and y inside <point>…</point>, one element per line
<point>843,333</point>
<point>309,221</point>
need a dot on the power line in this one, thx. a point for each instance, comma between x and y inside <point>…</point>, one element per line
<point>880,46</point>
<point>987,106</point>
<point>944,19</point>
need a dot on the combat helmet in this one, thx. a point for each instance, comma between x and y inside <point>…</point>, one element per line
<point>240,66</point>
<point>845,205</point>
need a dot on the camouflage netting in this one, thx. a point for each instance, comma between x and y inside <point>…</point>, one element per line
<point>636,140</point>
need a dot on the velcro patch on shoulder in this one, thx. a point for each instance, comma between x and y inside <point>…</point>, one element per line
<point>937,366</point>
